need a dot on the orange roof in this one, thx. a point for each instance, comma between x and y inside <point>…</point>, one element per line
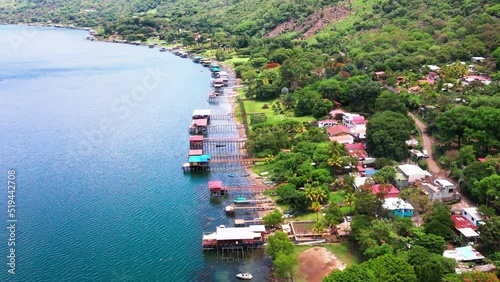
<point>338,130</point>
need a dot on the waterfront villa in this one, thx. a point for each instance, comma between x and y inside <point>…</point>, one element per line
<point>234,236</point>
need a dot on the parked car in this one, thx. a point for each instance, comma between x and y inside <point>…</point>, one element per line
<point>348,218</point>
<point>425,153</point>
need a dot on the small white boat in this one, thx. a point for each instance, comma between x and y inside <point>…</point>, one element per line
<point>244,276</point>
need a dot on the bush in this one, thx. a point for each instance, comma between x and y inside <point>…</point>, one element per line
<point>423,164</point>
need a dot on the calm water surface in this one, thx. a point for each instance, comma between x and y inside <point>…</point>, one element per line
<point>97,135</point>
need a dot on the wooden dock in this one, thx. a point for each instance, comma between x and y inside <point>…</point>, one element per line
<point>246,222</point>
<point>253,202</point>
<point>233,208</point>
<point>224,128</point>
<point>216,188</point>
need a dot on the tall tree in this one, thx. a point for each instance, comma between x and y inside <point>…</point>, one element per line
<point>350,200</point>
<point>388,101</point>
<point>316,207</point>
<point>451,125</point>
<point>279,243</point>
<point>490,235</point>
<point>273,218</point>
<point>386,135</point>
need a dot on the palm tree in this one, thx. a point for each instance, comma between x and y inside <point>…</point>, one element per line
<point>349,199</point>
<point>315,194</point>
<point>316,207</point>
<point>318,228</point>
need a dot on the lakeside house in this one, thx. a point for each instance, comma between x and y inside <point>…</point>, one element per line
<point>398,207</point>
<point>356,123</point>
<point>234,236</point>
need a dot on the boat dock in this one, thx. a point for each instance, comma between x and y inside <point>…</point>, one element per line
<point>247,222</point>
<point>217,189</point>
<point>233,208</point>
<point>253,202</point>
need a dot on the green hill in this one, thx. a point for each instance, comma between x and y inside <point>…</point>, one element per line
<point>385,34</point>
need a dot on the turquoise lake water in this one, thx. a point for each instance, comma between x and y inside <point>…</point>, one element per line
<point>97,135</point>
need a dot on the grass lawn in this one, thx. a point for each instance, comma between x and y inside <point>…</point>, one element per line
<point>236,60</point>
<point>337,196</point>
<point>253,106</point>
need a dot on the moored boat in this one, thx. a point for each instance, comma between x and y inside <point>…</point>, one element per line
<point>244,276</point>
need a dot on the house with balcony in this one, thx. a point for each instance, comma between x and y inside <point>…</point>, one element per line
<point>356,123</point>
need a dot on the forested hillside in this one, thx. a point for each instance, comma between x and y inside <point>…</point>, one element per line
<point>380,34</point>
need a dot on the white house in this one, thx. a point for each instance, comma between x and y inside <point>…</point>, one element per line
<point>477,59</point>
<point>473,215</point>
<point>441,190</point>
<point>359,181</point>
<point>413,173</point>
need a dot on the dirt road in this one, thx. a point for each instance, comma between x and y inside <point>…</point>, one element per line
<point>433,167</point>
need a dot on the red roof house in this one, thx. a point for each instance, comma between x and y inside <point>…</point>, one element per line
<point>357,150</point>
<point>392,192</point>
<point>338,130</point>
<point>462,222</point>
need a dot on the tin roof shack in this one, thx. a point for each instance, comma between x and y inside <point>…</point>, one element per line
<point>199,126</point>
<point>398,207</point>
<point>234,236</point>
<point>200,114</point>
<point>196,142</point>
<point>465,228</point>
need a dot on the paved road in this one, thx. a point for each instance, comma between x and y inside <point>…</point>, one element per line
<point>433,167</point>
